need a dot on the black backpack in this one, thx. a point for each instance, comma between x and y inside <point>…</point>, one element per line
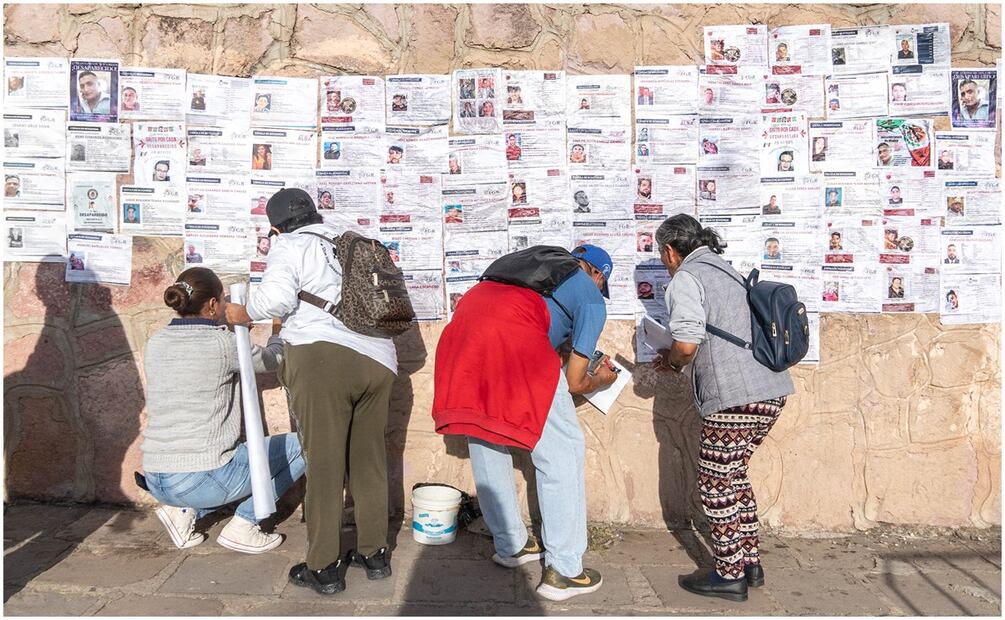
<point>541,268</point>
<point>780,330</point>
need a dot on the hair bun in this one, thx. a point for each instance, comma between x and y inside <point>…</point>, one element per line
<point>176,297</point>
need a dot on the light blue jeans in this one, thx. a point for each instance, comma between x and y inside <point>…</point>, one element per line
<point>559,458</point>
<point>208,490</point>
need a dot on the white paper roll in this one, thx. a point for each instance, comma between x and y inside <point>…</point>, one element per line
<point>261,478</point>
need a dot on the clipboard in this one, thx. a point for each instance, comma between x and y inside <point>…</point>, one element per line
<point>654,335</point>
<point>603,399</point>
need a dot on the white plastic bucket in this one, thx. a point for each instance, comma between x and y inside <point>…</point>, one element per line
<point>434,514</point>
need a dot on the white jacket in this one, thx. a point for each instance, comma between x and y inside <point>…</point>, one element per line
<point>301,262</point>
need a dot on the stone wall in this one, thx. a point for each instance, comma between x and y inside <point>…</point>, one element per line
<point>900,423</point>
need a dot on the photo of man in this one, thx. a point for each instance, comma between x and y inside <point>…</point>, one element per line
<point>195,203</point>
<point>466,88</point>
<point>192,255</point>
<point>162,170</point>
<point>706,189</point>
<point>955,206</point>
<point>835,242</point>
<point>645,96</point>
<point>130,213</point>
<point>772,207</point>
<point>946,160</point>
<point>468,109</point>
<point>453,164</point>
<point>197,158</point>
<point>895,197</point>
<point>259,207</point>
<point>15,85</point>
<point>644,242</point>
<point>399,103</point>
<point>198,100</point>
<point>333,99</point>
<point>708,96</point>
<point>834,105</point>
<point>582,202</point>
<point>78,152</point>
<point>833,197</point>
<point>130,100</point>
<point>577,154</point>
<point>884,154</point>
<point>584,104</point>
<point>890,236</point>
<point>644,189</point>
<point>645,291</point>
<point>513,150</point>
<point>952,301</point>
<point>951,257</point>
<point>785,161</point>
<point>394,154</point>
<point>782,52</point>
<point>905,52</point>
<point>973,99</point>
<point>838,56</point>
<point>12,186</point>
<point>453,214</point>
<point>819,150</point>
<point>896,288</point>
<point>14,238</point>
<point>333,150</point>
<point>772,249</point>
<point>92,95</point>
<point>263,102</point>
<point>11,139</point>
<point>76,261</point>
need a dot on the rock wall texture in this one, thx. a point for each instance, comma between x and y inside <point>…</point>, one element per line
<point>900,423</point>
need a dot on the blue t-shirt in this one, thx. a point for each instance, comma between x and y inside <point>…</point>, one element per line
<point>582,299</point>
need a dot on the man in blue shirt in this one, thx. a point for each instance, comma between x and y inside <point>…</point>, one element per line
<point>577,312</point>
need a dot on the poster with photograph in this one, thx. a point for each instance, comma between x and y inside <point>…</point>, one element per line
<point>974,96</point>
<point>94,90</point>
<point>220,245</point>
<point>419,99</point>
<point>217,100</point>
<point>34,184</point>
<point>284,150</point>
<point>601,195</point>
<point>146,93</point>
<point>970,298</point>
<point>666,140</point>
<point>837,145</point>
<point>745,45</point>
<point>910,192</point>
<point>803,49</point>
<point>37,83</point>
<point>902,143</point>
<point>355,146</point>
<point>727,140</point>
<point>915,90</point>
<point>97,258</point>
<point>547,229</point>
<point>662,191</point>
<point>536,192</point>
<point>971,201</point>
<point>477,100</point>
<point>729,90</point>
<point>852,288</point>
<point>852,240</point>
<point>921,44</point>
<point>666,90</point>
<point>34,133</point>
<point>425,291</point>
<point>532,97</point>
<point>910,288</point>
<point>852,195</point>
<point>218,150</point>
<point>416,149</point>
<point>99,147</point>
<point>966,153</point>
<point>593,100</point>
<point>351,99</point>
<point>725,190</point>
<point>154,210</point>
<point>798,93</point>
<point>90,197</point>
<point>35,236</point>
<point>346,190</point>
<point>284,102</point>
<point>479,155</point>
<point>601,146</point>
<point>856,95</point>
<point>971,249</point>
<point>783,144</point>
<point>222,197</point>
<point>478,203</point>
<point>861,49</point>
<point>160,153</point>
<point>535,146</point>
<point>791,197</point>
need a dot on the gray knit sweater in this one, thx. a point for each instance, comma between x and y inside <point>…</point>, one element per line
<point>194,395</point>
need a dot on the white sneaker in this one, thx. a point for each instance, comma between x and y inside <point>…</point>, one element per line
<point>180,524</point>
<point>246,537</point>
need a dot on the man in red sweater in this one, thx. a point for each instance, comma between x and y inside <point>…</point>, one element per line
<point>499,380</point>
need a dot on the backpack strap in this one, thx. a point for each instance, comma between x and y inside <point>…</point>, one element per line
<point>746,284</point>
<point>320,302</point>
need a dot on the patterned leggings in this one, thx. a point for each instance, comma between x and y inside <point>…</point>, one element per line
<point>728,439</point>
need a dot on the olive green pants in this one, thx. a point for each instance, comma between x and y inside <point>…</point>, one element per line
<point>340,400</point>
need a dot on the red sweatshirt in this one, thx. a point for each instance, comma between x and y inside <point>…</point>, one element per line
<point>496,371</point>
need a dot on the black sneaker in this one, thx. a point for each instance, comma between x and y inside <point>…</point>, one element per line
<point>328,580</point>
<point>711,584</point>
<point>754,574</point>
<point>378,565</point>
<point>557,587</point>
<point>531,552</point>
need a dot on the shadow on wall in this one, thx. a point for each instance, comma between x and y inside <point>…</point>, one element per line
<point>677,426</point>
<point>71,411</point>
<point>411,351</point>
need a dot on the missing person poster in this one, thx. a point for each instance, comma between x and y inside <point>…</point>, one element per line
<point>729,90</point>
<point>744,45</point>
<point>666,139</point>
<point>475,204</point>
<point>34,133</point>
<point>146,94</point>
<point>974,95</point>
<point>218,150</point>
<point>902,143</point>
<point>222,197</point>
<point>798,93</point>
<point>159,151</point>
<point>665,90</point>
<point>349,190</point>
<point>219,245</point>
<point>286,102</point>
<point>94,90</point>
<point>725,190</point>
<point>600,146</point>
<point>476,155</point>
<point>535,146</point>
<point>284,150</point>
<point>803,49</point>
<point>837,145</point>
<point>536,192</point>
<point>353,145</point>
<point>351,99</point>
<point>35,236</point>
<point>96,258</point>
<point>971,249</point>
<point>38,83</point>
<point>477,95</point>
<point>783,144</point>
<point>729,140</point>
<point>970,298</point>
<point>425,291</point>
<point>421,99</point>
<point>155,210</point>
<point>916,90</point>
<point>910,288</point>
<point>592,100</point>
<point>98,147</point>
<point>852,194</point>
<point>416,149</point>
<point>856,95</point>
<point>90,197</point>
<point>532,97</point>
<point>910,192</point>
<point>921,44</point>
<point>601,195</point>
<point>862,49</point>
<point>965,153</point>
<point>217,100</point>
<point>970,201</point>
<point>34,184</point>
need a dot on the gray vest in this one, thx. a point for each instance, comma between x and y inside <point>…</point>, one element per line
<point>723,374</point>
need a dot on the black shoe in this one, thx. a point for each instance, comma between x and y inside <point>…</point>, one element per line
<point>378,565</point>
<point>754,574</point>
<point>329,580</point>
<point>710,584</point>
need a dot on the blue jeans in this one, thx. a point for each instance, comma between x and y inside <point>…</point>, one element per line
<point>559,458</point>
<point>208,490</point>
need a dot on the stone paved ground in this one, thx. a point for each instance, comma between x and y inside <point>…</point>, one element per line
<point>80,560</point>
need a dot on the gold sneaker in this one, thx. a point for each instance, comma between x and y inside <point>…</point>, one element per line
<point>556,587</point>
<point>531,552</point>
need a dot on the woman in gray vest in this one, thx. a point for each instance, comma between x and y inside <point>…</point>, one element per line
<point>738,398</point>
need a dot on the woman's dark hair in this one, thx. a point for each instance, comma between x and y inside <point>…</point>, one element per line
<point>193,288</point>
<point>685,235</point>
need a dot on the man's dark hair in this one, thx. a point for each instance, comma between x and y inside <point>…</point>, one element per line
<point>84,74</point>
<point>129,88</point>
<point>396,149</point>
<point>965,82</point>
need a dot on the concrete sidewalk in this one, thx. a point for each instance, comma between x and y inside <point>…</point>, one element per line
<point>80,560</point>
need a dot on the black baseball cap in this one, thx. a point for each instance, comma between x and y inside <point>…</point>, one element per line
<point>287,204</point>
